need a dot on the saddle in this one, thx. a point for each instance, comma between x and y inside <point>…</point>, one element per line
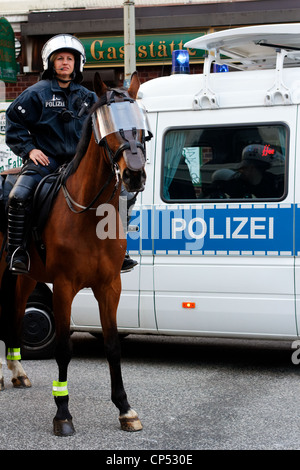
<point>43,199</point>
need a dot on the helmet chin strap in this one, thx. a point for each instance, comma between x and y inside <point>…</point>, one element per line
<point>64,81</point>
<point>61,79</point>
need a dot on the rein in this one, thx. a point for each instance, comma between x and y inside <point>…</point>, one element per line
<point>114,166</point>
<point>71,203</point>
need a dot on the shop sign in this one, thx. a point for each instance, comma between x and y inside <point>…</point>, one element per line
<point>8,64</point>
<point>108,51</point>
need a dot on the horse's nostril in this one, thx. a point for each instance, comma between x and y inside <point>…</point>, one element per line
<point>126,175</point>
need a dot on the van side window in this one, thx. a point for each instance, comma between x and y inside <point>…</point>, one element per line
<point>234,162</point>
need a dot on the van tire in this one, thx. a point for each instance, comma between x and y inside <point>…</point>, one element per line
<point>38,341</point>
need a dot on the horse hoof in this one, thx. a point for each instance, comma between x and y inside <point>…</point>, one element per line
<point>1,384</point>
<point>63,427</point>
<point>130,422</point>
<point>21,382</point>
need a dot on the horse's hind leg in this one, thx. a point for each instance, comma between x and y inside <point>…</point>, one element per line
<point>19,377</point>
<point>108,303</point>
<point>18,289</point>
<point>62,422</point>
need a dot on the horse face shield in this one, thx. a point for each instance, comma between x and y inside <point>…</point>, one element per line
<point>126,118</point>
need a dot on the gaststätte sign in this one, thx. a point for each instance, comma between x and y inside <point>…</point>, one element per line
<point>108,51</point>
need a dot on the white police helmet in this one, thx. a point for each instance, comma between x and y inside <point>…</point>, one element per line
<point>63,42</point>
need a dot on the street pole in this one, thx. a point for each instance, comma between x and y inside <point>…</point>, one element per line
<point>129,41</point>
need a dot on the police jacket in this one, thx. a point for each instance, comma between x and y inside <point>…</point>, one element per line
<point>49,118</point>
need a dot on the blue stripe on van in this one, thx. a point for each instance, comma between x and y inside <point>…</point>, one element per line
<point>218,229</point>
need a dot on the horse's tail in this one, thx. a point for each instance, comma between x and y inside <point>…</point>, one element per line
<point>7,296</point>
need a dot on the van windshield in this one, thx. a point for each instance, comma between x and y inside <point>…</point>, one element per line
<point>216,163</point>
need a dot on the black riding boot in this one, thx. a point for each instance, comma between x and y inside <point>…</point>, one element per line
<point>18,257</point>
<point>128,264</point>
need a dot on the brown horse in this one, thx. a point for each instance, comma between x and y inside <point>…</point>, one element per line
<point>112,147</point>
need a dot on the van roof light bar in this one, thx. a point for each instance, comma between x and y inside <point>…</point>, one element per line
<point>180,61</point>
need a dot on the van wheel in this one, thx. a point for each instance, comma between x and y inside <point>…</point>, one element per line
<point>38,326</point>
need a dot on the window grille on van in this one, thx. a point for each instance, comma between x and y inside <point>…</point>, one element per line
<point>232,163</point>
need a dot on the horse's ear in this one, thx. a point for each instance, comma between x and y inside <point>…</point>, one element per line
<point>134,85</point>
<point>99,86</point>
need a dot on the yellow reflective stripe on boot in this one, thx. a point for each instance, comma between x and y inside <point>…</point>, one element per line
<point>59,389</point>
<point>13,354</point>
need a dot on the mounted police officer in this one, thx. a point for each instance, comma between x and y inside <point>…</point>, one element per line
<point>43,127</point>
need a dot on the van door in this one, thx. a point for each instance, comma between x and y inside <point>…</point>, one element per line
<point>223,243</point>
<point>297,231</point>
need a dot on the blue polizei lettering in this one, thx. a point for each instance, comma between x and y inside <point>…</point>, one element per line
<point>213,230</point>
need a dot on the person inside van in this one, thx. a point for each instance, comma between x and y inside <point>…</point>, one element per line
<point>257,160</point>
<point>227,184</point>
<point>255,176</point>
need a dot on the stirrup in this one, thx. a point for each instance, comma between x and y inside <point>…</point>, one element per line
<point>16,270</point>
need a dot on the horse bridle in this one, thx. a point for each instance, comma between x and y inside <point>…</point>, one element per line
<point>129,144</point>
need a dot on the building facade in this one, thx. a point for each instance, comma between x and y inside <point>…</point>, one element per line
<point>160,27</point>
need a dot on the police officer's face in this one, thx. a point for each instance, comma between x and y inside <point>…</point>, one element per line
<point>64,64</point>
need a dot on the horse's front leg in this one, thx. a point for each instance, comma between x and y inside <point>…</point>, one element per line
<point>62,300</point>
<point>108,302</point>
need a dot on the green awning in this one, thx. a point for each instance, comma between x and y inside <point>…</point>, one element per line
<point>8,64</point>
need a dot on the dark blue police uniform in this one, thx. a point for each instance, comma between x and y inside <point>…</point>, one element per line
<point>54,117</point>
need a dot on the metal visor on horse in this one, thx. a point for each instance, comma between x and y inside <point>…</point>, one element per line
<point>119,116</point>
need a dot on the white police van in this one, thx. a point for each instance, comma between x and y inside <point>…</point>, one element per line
<point>216,229</point>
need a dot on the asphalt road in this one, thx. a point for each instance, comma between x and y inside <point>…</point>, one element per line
<point>190,393</point>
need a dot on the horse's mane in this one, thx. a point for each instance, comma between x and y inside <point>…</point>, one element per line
<point>86,134</point>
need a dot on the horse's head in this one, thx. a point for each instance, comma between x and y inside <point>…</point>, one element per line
<point>120,124</point>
